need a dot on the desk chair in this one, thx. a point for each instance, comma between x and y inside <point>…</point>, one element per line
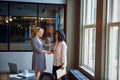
<point>47,76</point>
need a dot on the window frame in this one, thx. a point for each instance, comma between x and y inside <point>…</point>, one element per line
<point>87,68</point>
<point>109,26</point>
<point>84,24</point>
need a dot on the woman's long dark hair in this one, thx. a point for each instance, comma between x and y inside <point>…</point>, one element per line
<point>61,35</point>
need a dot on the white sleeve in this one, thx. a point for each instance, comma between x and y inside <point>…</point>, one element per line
<point>64,54</point>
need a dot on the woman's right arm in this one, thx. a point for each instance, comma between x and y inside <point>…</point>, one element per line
<point>35,47</point>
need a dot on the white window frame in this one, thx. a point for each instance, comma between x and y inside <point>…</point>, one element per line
<point>108,71</point>
<point>112,21</point>
<point>82,65</point>
<point>87,23</point>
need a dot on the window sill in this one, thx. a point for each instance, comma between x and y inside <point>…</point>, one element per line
<point>87,70</point>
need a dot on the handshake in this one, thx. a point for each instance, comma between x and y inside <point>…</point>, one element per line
<point>48,52</point>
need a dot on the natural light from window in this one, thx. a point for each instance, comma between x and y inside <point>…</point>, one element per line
<point>113,49</point>
<point>89,36</point>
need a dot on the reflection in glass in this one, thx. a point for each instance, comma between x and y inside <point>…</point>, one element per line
<point>3,26</point>
<point>54,19</point>
<point>20,32</point>
<point>3,33</point>
<point>18,20</point>
<point>23,17</point>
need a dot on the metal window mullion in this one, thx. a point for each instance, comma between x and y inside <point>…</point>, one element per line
<point>118,53</point>
<point>88,44</point>
<point>94,37</point>
<point>85,20</point>
<point>81,33</point>
<point>90,26</point>
<point>38,14</point>
<point>114,24</point>
<point>92,10</point>
<point>88,48</point>
<point>107,51</point>
<point>83,46</point>
<point>109,46</point>
<point>8,27</point>
<point>82,55</point>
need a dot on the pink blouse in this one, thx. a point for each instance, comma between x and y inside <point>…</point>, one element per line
<point>60,54</point>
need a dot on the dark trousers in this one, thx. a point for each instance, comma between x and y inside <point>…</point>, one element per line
<point>55,68</point>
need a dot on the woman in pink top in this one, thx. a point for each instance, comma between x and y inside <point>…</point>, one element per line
<point>60,53</point>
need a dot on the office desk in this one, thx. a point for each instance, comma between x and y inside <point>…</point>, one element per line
<point>5,76</point>
<point>28,78</point>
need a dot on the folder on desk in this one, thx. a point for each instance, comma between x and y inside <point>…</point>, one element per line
<point>60,73</point>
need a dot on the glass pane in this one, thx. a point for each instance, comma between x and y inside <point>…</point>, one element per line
<point>3,26</point>
<point>113,54</point>
<point>3,8</point>
<point>113,20</point>
<point>51,18</point>
<point>23,18</point>
<point>89,35</point>
<point>89,48</point>
<point>116,11</point>
<point>18,9</point>
<point>113,11</point>
<point>20,32</point>
<point>89,12</point>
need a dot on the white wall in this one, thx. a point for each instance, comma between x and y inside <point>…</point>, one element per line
<point>23,60</point>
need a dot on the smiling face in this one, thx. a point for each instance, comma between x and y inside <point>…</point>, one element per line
<point>40,32</point>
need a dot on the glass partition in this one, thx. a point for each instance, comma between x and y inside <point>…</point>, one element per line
<point>23,18</point>
<point>3,26</point>
<point>18,19</point>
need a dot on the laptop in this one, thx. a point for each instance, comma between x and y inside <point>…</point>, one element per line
<point>13,68</point>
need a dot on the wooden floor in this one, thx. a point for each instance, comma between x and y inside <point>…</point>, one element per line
<point>4,76</point>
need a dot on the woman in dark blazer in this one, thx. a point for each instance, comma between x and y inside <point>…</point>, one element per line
<point>38,58</point>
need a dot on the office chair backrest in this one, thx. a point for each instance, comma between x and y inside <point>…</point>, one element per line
<point>47,76</point>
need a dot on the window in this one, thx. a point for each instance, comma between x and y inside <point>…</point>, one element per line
<point>18,19</point>
<point>3,26</point>
<point>88,36</point>
<point>23,17</point>
<point>113,43</point>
